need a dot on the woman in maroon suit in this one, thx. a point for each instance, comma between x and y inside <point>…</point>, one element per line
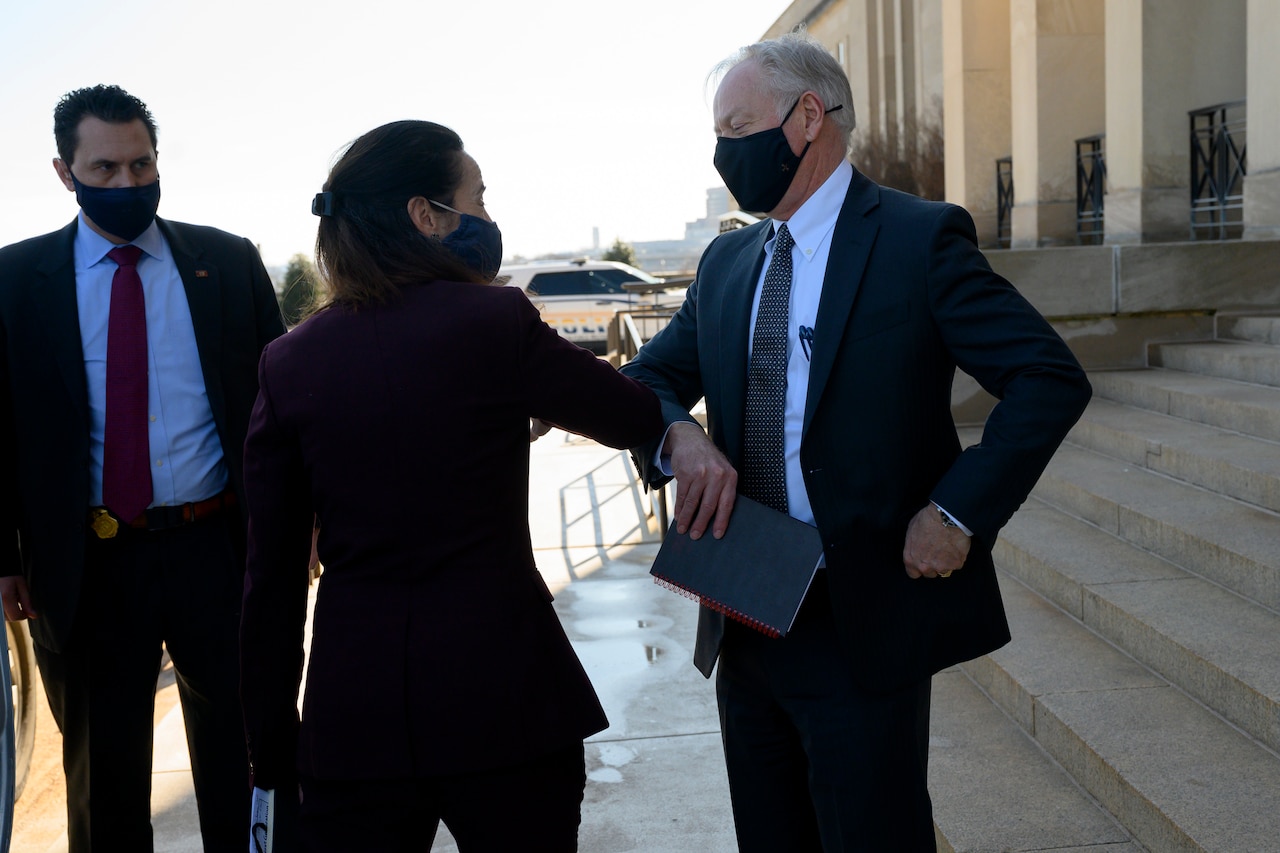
<point>441,685</point>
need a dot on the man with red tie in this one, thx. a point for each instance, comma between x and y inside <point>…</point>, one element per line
<point>128,367</point>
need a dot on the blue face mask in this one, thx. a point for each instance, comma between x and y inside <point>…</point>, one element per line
<point>123,212</point>
<point>476,242</point>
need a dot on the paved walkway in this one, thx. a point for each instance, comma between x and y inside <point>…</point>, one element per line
<point>656,779</point>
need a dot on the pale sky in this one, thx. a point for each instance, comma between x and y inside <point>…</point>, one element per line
<point>580,113</point>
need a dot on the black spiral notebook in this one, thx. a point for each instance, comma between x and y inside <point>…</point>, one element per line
<point>758,573</point>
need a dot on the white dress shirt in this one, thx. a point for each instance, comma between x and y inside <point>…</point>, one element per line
<point>811,227</point>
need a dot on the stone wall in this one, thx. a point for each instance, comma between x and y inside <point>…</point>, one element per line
<point>1111,302</point>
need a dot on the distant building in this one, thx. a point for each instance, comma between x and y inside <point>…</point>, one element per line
<point>679,257</point>
<point>669,257</point>
<point>735,219</point>
<point>703,229</point>
<point>719,202</point>
<point>672,257</point>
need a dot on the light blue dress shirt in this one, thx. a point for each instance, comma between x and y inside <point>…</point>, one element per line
<point>186,454</point>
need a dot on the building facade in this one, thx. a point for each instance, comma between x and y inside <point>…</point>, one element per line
<point>1077,121</point>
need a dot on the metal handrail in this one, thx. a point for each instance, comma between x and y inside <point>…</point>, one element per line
<point>1091,187</point>
<point>633,339</point>
<point>1218,169</point>
<point>1004,202</point>
<point>625,340</point>
<point>8,747</point>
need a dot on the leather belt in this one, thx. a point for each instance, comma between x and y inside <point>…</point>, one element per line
<point>106,526</point>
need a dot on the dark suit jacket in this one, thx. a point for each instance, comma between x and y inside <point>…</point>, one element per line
<point>44,405</point>
<point>906,299</point>
<point>405,427</point>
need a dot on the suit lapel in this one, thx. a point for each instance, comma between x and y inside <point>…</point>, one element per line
<point>735,324</point>
<point>55,300</point>
<point>851,242</point>
<point>202,283</point>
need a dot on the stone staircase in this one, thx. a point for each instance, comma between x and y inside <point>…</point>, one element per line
<point>1138,706</point>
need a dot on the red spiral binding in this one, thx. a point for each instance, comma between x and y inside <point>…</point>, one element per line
<point>767,630</point>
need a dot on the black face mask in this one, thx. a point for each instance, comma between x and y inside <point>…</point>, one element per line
<point>123,212</point>
<point>758,169</point>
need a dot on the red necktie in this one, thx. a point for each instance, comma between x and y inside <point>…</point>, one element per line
<point>126,463</point>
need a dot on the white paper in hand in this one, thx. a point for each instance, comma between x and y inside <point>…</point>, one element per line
<point>262,824</point>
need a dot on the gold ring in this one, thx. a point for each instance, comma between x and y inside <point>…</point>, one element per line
<point>945,574</point>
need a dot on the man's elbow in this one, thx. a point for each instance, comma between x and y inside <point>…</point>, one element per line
<point>1080,393</point>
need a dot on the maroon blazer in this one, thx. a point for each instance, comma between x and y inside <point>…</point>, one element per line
<point>405,429</point>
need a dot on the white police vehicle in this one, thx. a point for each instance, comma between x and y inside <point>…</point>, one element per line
<point>579,297</point>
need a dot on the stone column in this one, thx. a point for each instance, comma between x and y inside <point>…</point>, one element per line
<point>1164,59</point>
<point>889,68</point>
<point>976,122</point>
<point>1058,95</point>
<point>1262,184</point>
<point>928,58</point>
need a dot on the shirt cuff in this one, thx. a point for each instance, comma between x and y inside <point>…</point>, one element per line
<point>661,459</point>
<point>958,523</point>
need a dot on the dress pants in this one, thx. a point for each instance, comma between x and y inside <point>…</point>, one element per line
<point>814,762</point>
<point>143,592</point>
<point>532,807</point>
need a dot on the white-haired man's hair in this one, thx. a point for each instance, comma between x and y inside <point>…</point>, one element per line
<point>794,64</point>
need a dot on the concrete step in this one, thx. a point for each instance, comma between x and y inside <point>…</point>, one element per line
<point>1175,775</point>
<point>995,788</point>
<point>1218,647</point>
<point>1238,406</point>
<point>1228,542</point>
<point>1220,460</point>
<point>1240,361</point>
<point>1262,330</point>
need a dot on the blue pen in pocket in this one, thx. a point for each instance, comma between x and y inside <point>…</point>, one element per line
<point>806,342</point>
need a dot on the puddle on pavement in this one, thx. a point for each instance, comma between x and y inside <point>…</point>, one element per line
<point>622,639</point>
<point>622,626</point>
<point>612,756</point>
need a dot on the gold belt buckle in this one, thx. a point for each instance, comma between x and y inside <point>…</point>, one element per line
<point>104,524</point>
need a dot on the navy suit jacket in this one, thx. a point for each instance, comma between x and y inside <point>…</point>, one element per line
<point>907,298</point>
<point>405,428</point>
<point>44,403</point>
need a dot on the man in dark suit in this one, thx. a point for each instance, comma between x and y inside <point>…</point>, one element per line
<point>825,340</point>
<point>128,367</point>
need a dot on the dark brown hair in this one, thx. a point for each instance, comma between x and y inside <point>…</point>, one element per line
<point>105,103</point>
<point>367,247</point>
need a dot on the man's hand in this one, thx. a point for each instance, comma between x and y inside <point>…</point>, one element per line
<point>933,550</point>
<point>706,484</point>
<point>17,599</point>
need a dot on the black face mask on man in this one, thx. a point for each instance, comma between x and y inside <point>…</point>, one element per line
<point>123,212</point>
<point>758,169</point>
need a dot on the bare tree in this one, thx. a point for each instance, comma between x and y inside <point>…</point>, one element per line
<point>911,160</point>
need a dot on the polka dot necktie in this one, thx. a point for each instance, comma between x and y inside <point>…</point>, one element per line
<point>764,459</point>
<point>126,468</point>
